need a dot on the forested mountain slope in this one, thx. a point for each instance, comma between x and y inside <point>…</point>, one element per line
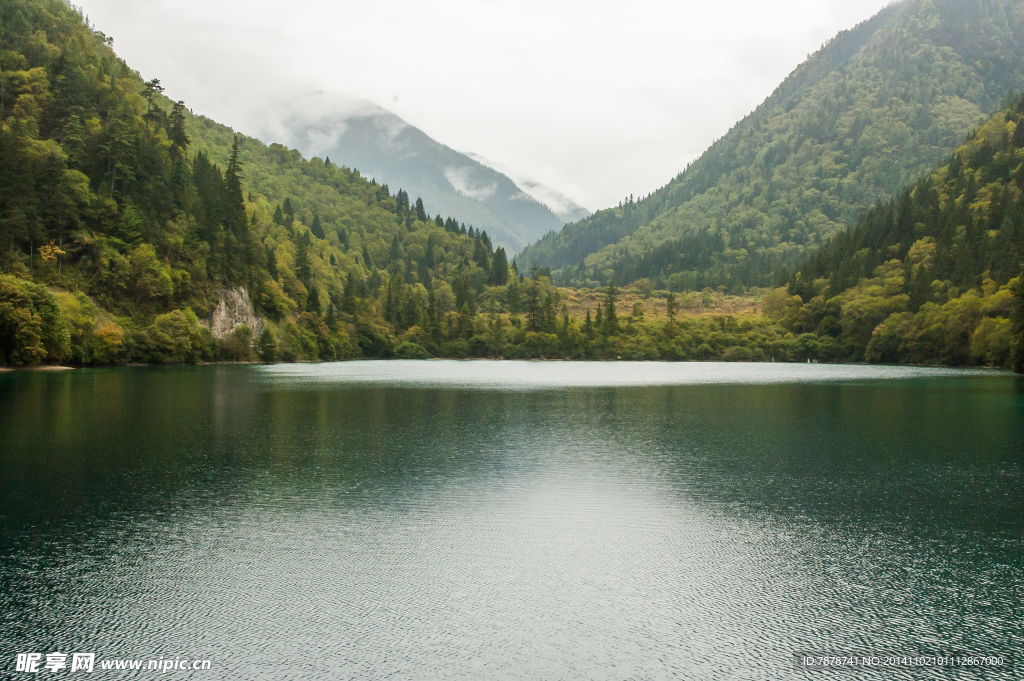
<point>136,214</point>
<point>383,146</point>
<point>874,109</point>
<point>933,276</point>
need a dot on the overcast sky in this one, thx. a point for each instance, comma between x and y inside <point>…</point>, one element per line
<point>596,99</point>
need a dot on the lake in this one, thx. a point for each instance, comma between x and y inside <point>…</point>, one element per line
<point>512,520</point>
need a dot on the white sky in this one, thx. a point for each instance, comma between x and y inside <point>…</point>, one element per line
<point>596,99</point>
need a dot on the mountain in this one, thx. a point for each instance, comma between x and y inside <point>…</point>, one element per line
<point>875,108</point>
<point>125,221</point>
<point>935,275</point>
<point>384,147</point>
<point>564,207</point>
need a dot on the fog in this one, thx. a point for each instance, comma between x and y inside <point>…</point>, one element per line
<point>596,100</point>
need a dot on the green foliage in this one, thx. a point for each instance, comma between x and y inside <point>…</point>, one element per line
<point>874,109</point>
<point>123,216</point>
<point>267,346</point>
<point>928,277</point>
<point>31,327</point>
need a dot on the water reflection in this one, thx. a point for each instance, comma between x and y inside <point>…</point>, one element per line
<point>312,523</point>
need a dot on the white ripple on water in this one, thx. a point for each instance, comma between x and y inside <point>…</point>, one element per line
<point>540,375</point>
<point>549,574</point>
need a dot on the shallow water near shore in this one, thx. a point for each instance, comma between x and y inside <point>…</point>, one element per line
<point>511,520</point>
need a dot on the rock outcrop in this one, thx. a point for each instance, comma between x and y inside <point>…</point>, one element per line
<point>234,309</point>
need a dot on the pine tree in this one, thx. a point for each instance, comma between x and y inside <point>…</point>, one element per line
<point>348,296</point>
<point>317,228</point>
<point>611,319</point>
<point>480,255</point>
<point>303,266</point>
<point>176,127</point>
<point>499,268</point>
<point>514,301</point>
<point>289,213</point>
<point>236,221</point>
<point>271,263</point>
<point>421,212</point>
<point>313,301</point>
<point>428,254</point>
<point>267,346</point>
<point>533,306</point>
<point>402,203</point>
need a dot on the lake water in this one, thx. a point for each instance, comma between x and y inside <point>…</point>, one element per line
<point>511,520</point>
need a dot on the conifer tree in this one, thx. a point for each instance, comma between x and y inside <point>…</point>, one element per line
<point>499,268</point>
<point>611,319</point>
<point>421,212</point>
<point>348,296</point>
<point>514,301</point>
<point>428,254</point>
<point>317,228</point>
<point>271,263</point>
<point>303,266</point>
<point>313,301</point>
<point>289,213</point>
<point>480,255</point>
<point>176,126</point>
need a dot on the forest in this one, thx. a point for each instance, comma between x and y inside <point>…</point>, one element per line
<point>123,216</point>
<point>874,109</point>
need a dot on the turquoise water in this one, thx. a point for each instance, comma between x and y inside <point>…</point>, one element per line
<point>511,520</point>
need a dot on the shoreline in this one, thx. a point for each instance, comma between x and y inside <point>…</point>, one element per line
<point>61,367</point>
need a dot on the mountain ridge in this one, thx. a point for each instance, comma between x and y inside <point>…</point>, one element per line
<point>874,108</point>
<point>383,146</point>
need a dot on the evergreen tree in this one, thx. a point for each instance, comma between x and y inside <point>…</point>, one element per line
<point>303,266</point>
<point>514,301</point>
<point>348,296</point>
<point>534,309</point>
<point>428,253</point>
<point>271,263</point>
<point>317,228</point>
<point>499,268</point>
<point>402,204</point>
<point>611,319</point>
<point>176,127</point>
<point>421,212</point>
<point>480,255</point>
<point>289,213</point>
<point>267,346</point>
<point>313,301</point>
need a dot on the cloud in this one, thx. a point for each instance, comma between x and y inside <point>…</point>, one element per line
<point>596,99</point>
<point>461,179</point>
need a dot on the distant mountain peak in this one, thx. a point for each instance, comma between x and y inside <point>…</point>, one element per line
<point>378,143</point>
